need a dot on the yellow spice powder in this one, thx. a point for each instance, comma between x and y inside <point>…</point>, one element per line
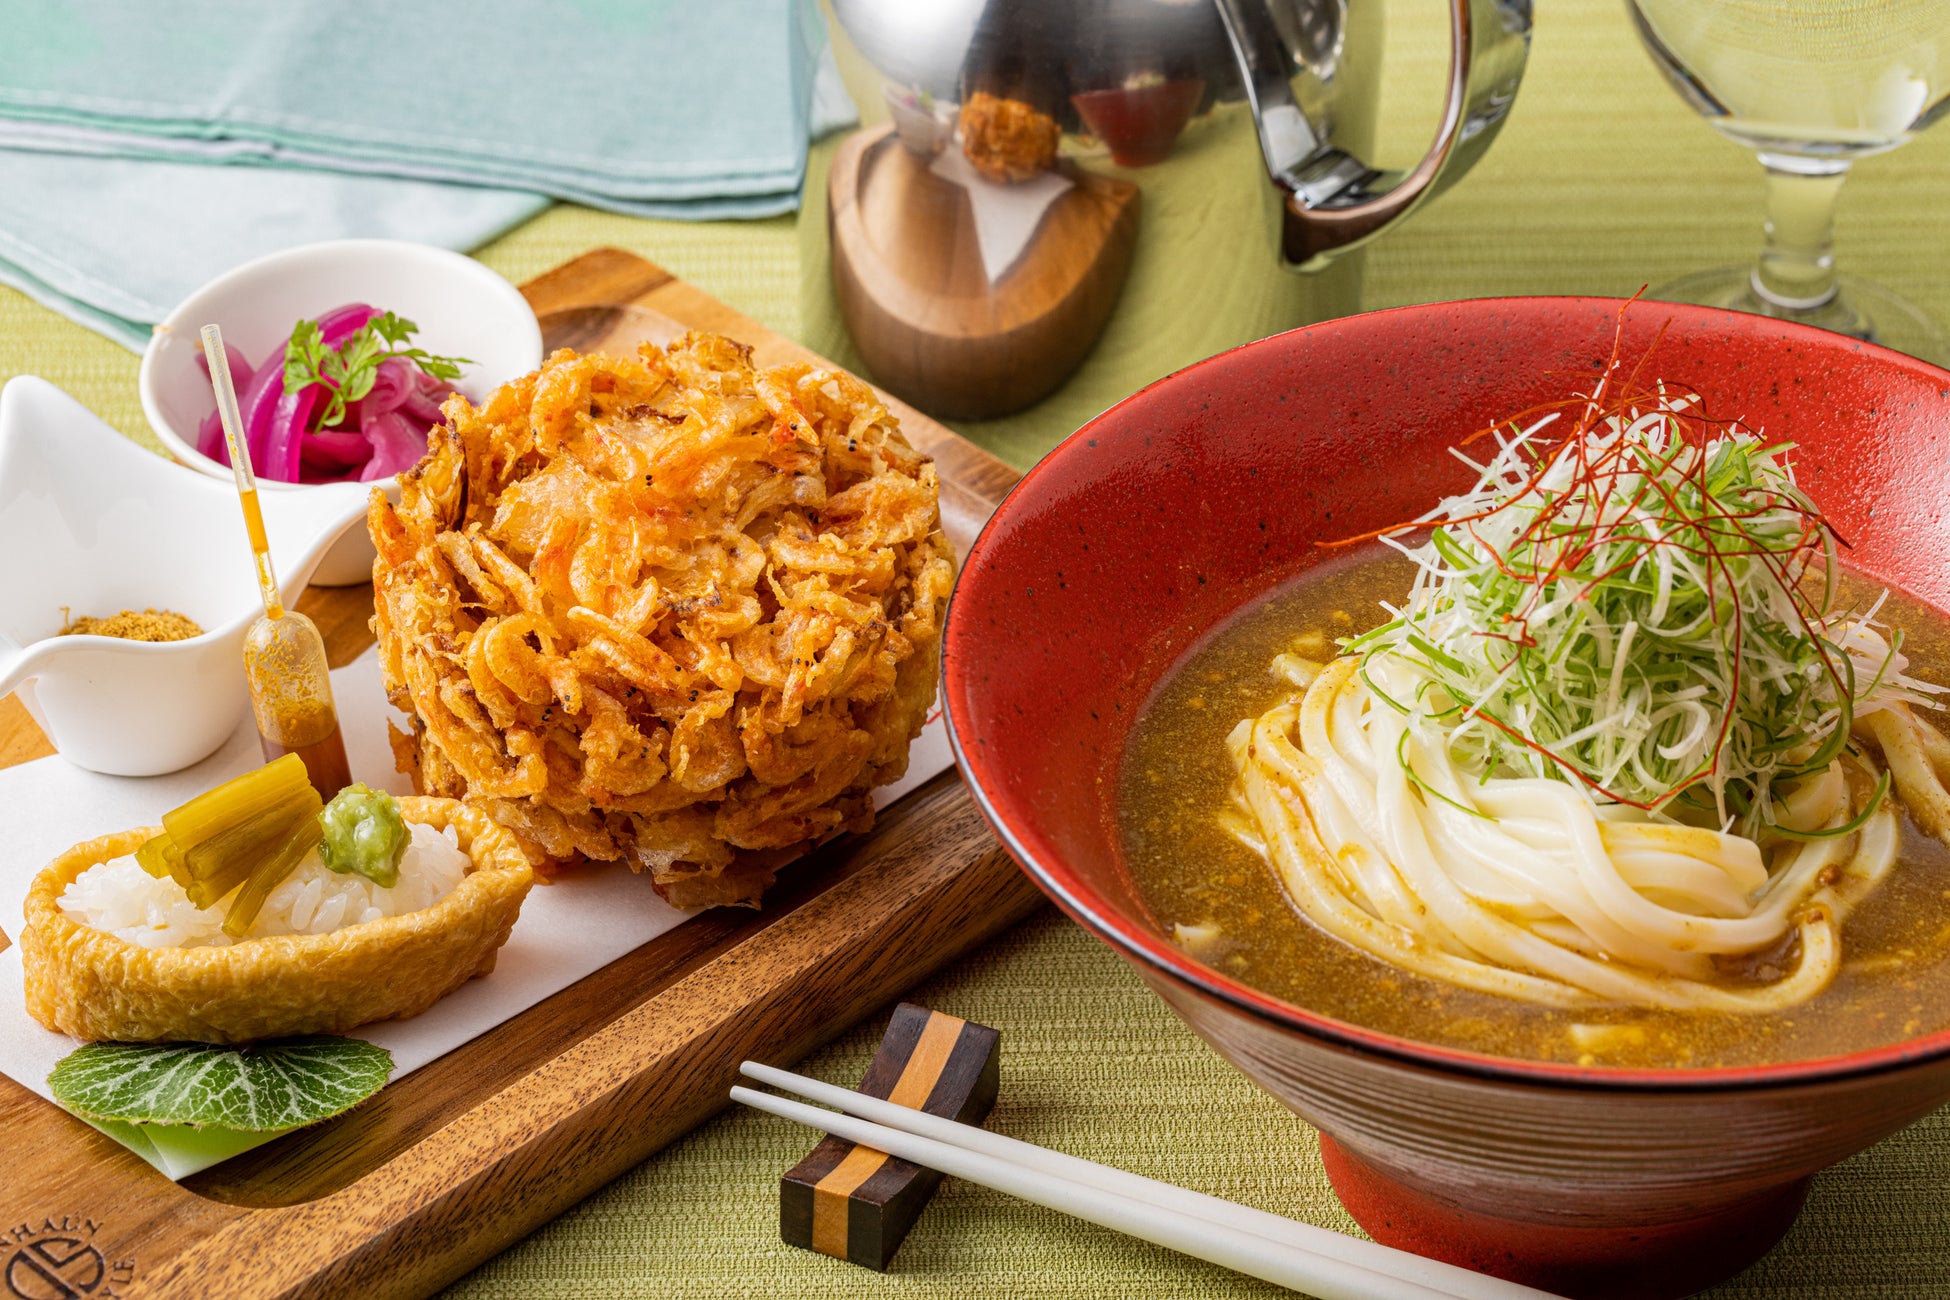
<point>149,625</point>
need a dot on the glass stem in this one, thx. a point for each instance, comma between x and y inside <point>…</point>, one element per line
<point>1796,270</point>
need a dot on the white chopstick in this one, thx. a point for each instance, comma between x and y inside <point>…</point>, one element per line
<point>1297,1255</point>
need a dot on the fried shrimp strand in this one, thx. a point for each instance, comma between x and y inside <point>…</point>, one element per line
<point>668,609</point>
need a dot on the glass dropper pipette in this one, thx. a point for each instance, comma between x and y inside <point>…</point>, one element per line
<point>284,655</point>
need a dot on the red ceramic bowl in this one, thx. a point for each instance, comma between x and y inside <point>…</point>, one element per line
<point>1185,502</point>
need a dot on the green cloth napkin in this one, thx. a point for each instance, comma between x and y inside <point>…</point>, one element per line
<point>662,108</point>
<point>115,243</point>
<point>141,157</point>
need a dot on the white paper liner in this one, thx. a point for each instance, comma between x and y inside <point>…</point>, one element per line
<point>567,930</point>
<point>1006,216</point>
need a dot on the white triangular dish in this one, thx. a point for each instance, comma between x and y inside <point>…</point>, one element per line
<point>91,523</point>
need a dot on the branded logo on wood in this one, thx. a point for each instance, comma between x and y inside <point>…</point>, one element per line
<point>59,1260</point>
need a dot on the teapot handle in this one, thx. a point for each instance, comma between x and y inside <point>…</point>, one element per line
<point>1329,200</point>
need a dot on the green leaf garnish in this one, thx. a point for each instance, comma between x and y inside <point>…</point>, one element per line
<point>347,372</point>
<point>263,1088</point>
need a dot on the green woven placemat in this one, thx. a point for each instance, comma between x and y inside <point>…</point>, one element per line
<point>1094,1064</point>
<point>1602,181</point>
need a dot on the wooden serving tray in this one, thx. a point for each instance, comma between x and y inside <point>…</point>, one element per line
<point>468,1154</point>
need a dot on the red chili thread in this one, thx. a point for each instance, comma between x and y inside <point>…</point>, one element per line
<point>1578,512</point>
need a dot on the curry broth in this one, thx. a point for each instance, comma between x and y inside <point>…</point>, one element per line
<point>1894,983</point>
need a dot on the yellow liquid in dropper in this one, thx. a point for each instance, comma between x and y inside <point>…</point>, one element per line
<point>284,656</point>
<point>261,553</point>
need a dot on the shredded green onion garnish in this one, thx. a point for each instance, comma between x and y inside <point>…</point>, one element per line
<point>1645,606</point>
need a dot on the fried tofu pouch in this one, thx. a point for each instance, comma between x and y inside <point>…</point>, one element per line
<point>97,986</point>
<point>668,609</point>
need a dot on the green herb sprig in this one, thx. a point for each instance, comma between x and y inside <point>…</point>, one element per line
<point>349,370</point>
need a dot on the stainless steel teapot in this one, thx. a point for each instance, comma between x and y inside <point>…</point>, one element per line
<point>1032,156</point>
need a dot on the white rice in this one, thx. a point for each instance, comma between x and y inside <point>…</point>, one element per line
<point>121,898</point>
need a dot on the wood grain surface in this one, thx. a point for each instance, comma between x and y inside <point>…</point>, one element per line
<point>470,1153</point>
<point>917,299</point>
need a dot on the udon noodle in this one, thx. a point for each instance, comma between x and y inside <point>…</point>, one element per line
<point>1690,831</point>
<point>1523,887</point>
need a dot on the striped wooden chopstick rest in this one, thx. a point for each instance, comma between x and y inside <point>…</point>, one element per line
<point>855,1203</point>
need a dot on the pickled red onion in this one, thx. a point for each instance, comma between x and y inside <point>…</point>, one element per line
<point>382,434</point>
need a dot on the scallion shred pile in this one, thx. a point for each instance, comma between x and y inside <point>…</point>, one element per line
<point>1647,606</point>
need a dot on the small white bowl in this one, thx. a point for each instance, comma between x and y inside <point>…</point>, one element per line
<point>925,131</point>
<point>462,308</point>
<point>91,521</point>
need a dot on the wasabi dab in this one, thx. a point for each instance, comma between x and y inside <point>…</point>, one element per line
<point>365,835</point>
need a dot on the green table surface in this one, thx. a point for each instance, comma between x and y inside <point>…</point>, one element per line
<point>1602,181</point>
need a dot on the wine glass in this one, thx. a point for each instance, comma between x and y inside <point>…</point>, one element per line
<point>1810,86</point>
